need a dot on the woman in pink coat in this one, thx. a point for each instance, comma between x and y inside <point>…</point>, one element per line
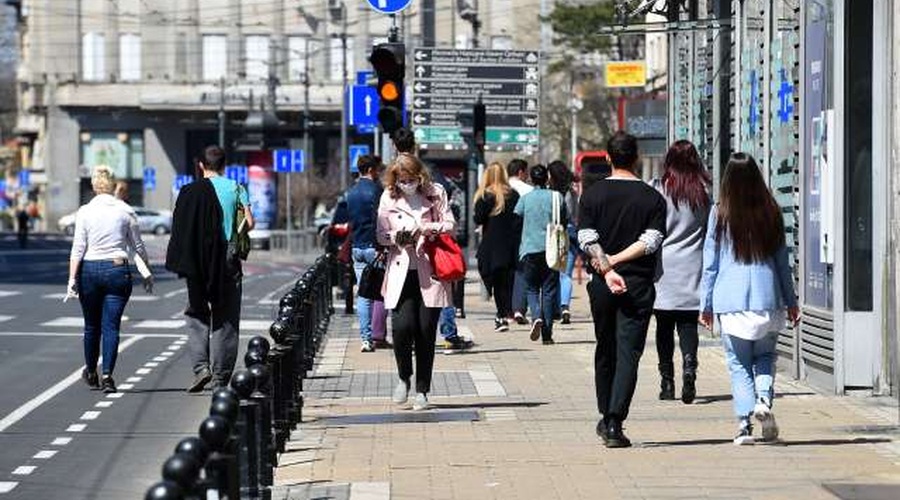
<point>412,208</point>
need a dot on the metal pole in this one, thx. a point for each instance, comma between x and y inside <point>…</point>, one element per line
<point>573,146</point>
<point>222,112</point>
<point>343,165</point>
<point>307,151</point>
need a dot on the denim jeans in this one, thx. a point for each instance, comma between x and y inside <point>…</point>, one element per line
<point>565,281</point>
<point>752,367</point>
<point>542,287</point>
<point>362,257</point>
<point>519,300</point>
<point>447,323</point>
<point>103,290</point>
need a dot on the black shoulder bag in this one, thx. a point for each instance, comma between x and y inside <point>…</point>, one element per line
<point>372,277</point>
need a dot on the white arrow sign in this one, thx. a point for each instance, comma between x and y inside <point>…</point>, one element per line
<point>420,71</point>
<point>531,122</point>
<point>419,119</point>
<point>368,101</point>
<point>420,55</point>
<point>382,4</point>
<point>419,102</point>
<point>420,87</point>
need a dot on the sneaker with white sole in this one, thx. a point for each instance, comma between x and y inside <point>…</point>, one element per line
<point>745,433</point>
<point>536,326</point>
<point>421,402</point>
<point>401,392</point>
<point>519,318</point>
<point>500,325</point>
<point>766,419</point>
<point>367,346</point>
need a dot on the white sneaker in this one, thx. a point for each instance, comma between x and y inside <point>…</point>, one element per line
<point>367,346</point>
<point>421,402</point>
<point>401,392</point>
<point>536,326</point>
<point>745,433</point>
<point>766,418</point>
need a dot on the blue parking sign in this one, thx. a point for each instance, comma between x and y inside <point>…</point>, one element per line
<point>24,179</point>
<point>149,179</point>
<point>356,151</point>
<point>298,160</point>
<point>237,173</point>
<point>281,160</point>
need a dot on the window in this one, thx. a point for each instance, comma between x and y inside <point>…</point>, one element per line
<point>501,43</point>
<point>336,57</point>
<point>93,57</point>
<point>129,57</point>
<point>215,57</point>
<point>256,57</point>
<point>298,48</point>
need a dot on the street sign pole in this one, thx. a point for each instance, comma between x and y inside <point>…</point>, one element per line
<point>288,203</point>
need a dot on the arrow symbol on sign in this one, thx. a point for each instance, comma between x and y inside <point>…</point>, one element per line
<point>419,103</point>
<point>420,55</point>
<point>531,122</point>
<point>420,87</point>
<point>368,101</point>
<point>420,71</point>
<point>420,119</point>
<point>382,4</point>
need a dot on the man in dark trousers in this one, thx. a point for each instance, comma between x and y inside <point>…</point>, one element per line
<point>621,226</point>
<point>22,223</point>
<point>202,226</point>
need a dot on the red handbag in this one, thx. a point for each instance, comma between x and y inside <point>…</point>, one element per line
<point>446,257</point>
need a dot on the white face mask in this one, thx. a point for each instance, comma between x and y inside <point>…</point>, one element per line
<point>408,188</point>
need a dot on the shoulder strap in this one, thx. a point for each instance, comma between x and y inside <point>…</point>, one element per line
<point>554,196</point>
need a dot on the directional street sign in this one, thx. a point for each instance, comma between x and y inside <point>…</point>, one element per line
<point>357,150</point>
<point>363,109</point>
<point>389,6</point>
<point>449,81</point>
<point>149,179</point>
<point>24,179</point>
<point>237,173</point>
<point>288,161</point>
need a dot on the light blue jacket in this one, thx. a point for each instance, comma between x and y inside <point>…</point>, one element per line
<point>731,286</point>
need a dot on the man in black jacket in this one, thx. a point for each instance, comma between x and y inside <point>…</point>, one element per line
<point>202,225</point>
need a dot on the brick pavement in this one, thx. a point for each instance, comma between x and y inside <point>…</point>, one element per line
<point>526,431</point>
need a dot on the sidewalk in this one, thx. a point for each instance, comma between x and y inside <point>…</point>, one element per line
<point>514,419</point>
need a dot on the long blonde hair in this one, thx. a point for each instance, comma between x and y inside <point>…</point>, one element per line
<point>495,181</point>
<point>410,165</point>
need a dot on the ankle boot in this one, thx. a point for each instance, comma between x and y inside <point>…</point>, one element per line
<point>667,381</point>
<point>688,388</point>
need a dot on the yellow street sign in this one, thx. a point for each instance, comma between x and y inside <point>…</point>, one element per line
<point>626,74</point>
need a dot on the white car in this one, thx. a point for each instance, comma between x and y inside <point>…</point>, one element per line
<point>150,221</point>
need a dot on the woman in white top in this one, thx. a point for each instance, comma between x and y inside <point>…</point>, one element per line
<point>106,230</point>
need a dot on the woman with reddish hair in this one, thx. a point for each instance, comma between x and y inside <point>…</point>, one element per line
<point>685,186</point>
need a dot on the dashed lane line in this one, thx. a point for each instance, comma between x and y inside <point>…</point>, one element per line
<point>20,412</point>
<point>61,441</point>
<point>76,427</point>
<point>24,470</point>
<point>7,486</point>
<point>45,454</point>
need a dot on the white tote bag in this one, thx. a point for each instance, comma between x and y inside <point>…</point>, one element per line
<point>557,242</point>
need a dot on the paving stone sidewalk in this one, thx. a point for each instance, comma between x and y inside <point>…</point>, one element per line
<point>514,419</point>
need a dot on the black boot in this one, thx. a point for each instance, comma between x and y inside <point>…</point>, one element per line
<point>667,381</point>
<point>615,435</point>
<point>689,389</point>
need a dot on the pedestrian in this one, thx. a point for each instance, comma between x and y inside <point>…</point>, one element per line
<point>362,207</point>
<point>203,224</point>
<point>562,180</point>
<point>621,227</point>
<point>106,230</point>
<point>748,287</point>
<point>494,211</point>
<point>517,173</point>
<point>22,220</point>
<point>405,142</point>
<point>412,208</point>
<point>685,184</point>
<point>121,191</point>
<point>541,282</point>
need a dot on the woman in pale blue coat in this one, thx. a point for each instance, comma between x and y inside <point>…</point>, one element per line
<point>748,287</point>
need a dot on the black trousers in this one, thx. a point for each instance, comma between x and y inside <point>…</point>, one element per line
<point>686,323</point>
<point>414,325</point>
<point>620,326</point>
<point>502,284</point>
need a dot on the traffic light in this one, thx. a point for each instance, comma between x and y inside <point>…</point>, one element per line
<point>479,124</point>
<point>389,62</point>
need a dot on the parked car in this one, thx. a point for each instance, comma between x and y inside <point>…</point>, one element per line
<point>259,238</point>
<point>150,221</point>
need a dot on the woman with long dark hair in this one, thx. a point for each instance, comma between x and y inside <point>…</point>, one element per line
<point>685,186</point>
<point>561,180</point>
<point>498,251</point>
<point>748,286</point>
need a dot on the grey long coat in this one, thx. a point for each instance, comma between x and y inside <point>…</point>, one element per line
<point>681,257</point>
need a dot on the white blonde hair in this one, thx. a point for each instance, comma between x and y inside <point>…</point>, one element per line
<point>103,180</point>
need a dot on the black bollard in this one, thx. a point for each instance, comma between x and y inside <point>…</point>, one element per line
<point>248,459</point>
<point>164,490</point>
<point>226,408</point>
<point>194,447</point>
<point>259,343</point>
<point>221,465</point>
<point>267,455</point>
<point>254,357</point>
<point>183,470</point>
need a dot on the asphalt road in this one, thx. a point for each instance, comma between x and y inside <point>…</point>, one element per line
<point>59,440</point>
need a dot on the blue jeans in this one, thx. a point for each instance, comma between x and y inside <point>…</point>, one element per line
<point>519,301</point>
<point>361,257</point>
<point>752,367</point>
<point>565,281</point>
<point>447,323</point>
<point>103,290</point>
<point>542,288</point>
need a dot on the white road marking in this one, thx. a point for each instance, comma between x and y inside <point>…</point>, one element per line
<point>143,298</point>
<point>126,387</point>
<point>76,428</point>
<point>65,322</point>
<point>61,441</point>
<point>167,354</point>
<point>173,293</point>
<point>115,395</point>
<point>103,404</point>
<point>20,412</point>
<point>24,470</point>
<point>45,454</point>
<point>54,296</point>
<point>165,324</point>
<point>5,318</point>
<point>153,364</point>
<point>174,347</point>
<point>9,293</point>
<point>90,415</point>
<point>141,371</point>
<point>180,341</point>
<point>132,380</point>
<point>7,486</point>
<point>269,298</point>
<point>255,325</point>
